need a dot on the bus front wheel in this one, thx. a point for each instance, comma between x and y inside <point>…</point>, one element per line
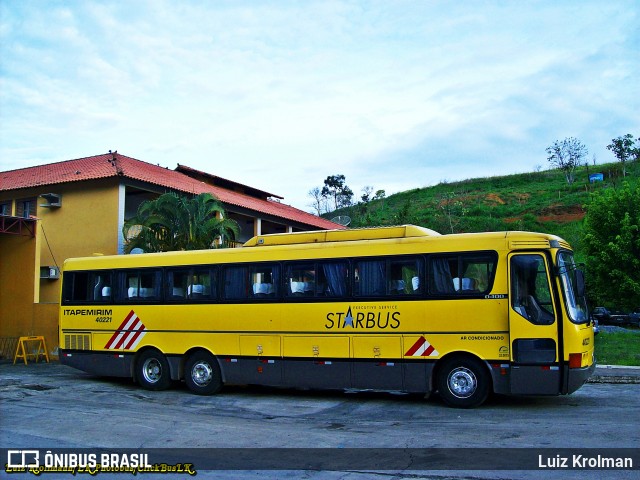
<point>463,382</point>
<point>152,370</point>
<point>202,373</point>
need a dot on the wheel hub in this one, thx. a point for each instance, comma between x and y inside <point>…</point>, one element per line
<point>152,370</point>
<point>462,382</point>
<point>201,374</point>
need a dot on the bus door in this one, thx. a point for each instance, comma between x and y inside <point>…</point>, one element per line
<point>534,327</point>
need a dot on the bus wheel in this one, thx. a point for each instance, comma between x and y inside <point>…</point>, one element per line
<point>202,374</point>
<point>463,382</point>
<point>152,370</point>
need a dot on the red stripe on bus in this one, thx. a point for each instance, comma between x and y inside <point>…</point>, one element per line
<point>128,345</point>
<point>122,325</point>
<point>133,326</point>
<point>415,347</point>
<point>119,332</point>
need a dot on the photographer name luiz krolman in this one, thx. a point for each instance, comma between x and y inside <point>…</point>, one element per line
<point>581,461</point>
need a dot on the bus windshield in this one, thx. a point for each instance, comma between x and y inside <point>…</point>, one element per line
<point>573,288</point>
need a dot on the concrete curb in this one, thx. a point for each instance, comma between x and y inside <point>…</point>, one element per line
<point>618,367</point>
<point>615,374</point>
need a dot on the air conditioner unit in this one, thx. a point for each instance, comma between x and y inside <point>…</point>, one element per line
<point>54,200</point>
<point>51,273</point>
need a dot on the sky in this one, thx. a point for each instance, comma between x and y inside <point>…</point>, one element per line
<point>280,94</point>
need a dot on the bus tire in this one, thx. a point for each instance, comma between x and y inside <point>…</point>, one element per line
<point>463,382</point>
<point>202,373</point>
<point>152,370</point>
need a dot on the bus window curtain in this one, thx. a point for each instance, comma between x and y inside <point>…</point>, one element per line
<point>275,280</point>
<point>372,278</point>
<point>234,283</point>
<point>335,273</point>
<point>442,282</point>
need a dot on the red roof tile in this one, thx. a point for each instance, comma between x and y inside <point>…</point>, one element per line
<point>215,180</point>
<point>114,165</point>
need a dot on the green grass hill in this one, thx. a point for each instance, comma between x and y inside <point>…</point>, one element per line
<point>538,201</point>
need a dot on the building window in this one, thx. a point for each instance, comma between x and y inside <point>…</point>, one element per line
<point>26,207</point>
<point>5,208</point>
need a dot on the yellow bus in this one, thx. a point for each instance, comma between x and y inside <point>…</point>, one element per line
<point>395,308</point>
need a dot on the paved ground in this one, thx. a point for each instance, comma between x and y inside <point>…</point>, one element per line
<point>54,406</point>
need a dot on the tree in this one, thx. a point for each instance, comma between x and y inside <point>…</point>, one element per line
<point>380,194</point>
<point>612,246</point>
<point>319,203</point>
<point>174,222</point>
<point>567,155</point>
<point>624,149</point>
<point>453,209</point>
<point>336,189</point>
<point>367,190</point>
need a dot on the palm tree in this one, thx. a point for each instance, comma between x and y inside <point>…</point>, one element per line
<point>176,222</point>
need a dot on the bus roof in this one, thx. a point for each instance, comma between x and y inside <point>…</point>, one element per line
<point>354,234</point>
<point>303,243</point>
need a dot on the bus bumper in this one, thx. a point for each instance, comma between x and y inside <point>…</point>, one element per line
<point>576,377</point>
<point>105,364</point>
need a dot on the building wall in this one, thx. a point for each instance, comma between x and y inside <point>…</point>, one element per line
<point>45,322</point>
<point>85,224</point>
<point>19,283</point>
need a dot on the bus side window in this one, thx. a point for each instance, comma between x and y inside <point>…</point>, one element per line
<point>265,280</point>
<point>441,277</point>
<point>176,285</point>
<point>300,280</point>
<point>141,285</point>
<point>149,285</point>
<point>101,286</point>
<point>76,287</point>
<point>530,290</point>
<point>87,287</point>
<point>193,284</point>
<point>201,284</point>
<point>369,278</point>
<point>132,284</point>
<point>466,274</point>
<point>236,283</point>
<point>477,272</point>
<point>333,278</point>
<point>403,277</point>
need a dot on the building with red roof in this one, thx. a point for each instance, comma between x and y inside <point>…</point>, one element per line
<point>78,207</point>
<point>142,179</point>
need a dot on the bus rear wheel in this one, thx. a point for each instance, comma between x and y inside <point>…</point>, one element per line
<point>152,370</point>
<point>463,382</point>
<point>202,373</point>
